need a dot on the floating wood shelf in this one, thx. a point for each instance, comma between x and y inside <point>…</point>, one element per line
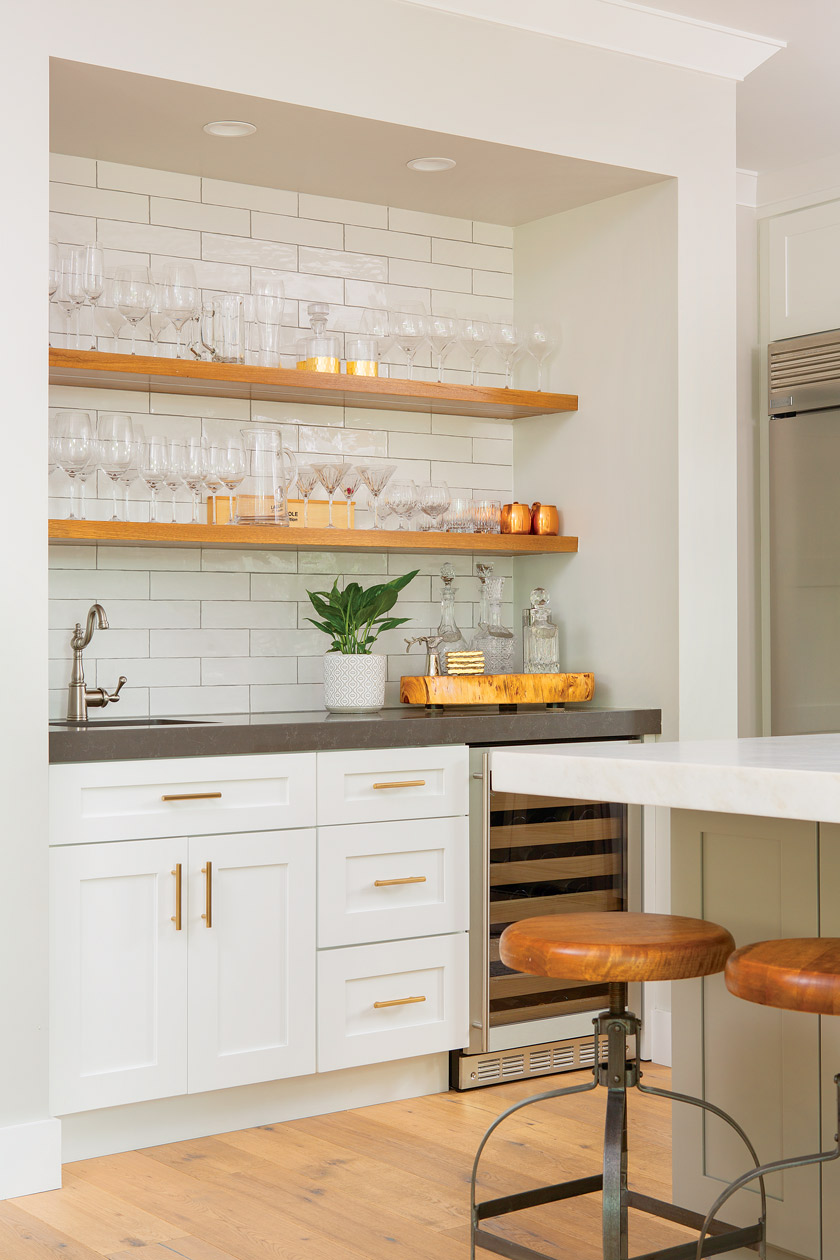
<point>267,537</point>
<point>93,369</point>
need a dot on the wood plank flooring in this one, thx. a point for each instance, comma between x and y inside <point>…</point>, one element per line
<point>388,1182</point>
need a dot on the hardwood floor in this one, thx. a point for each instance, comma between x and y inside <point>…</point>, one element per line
<point>389,1181</point>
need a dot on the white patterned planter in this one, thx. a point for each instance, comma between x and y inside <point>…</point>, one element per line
<point>354,684</point>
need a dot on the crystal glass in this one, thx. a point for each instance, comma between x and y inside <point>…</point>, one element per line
<point>543,340</point>
<point>330,474</point>
<point>159,317</point>
<point>55,272</point>
<point>376,478</point>
<point>196,465</point>
<point>271,469</point>
<point>474,337</point>
<point>173,476</point>
<point>213,481</point>
<point>451,638</point>
<point>232,466</point>
<point>492,637</point>
<point>134,293</point>
<point>442,336</point>
<point>268,302</point>
<point>182,298</point>
<point>153,465</point>
<point>540,642</point>
<point>409,330</point>
<point>115,437</point>
<point>133,471</point>
<point>93,279</point>
<point>71,289</point>
<point>487,514</point>
<point>73,448</point>
<point>402,500</point>
<point>111,313</point>
<point>375,325</point>
<point>307,480</point>
<point>434,500</point>
<point>460,518</point>
<point>510,344</point>
<point>349,485</point>
<point>223,330</point>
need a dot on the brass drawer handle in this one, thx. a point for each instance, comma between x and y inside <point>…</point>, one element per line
<point>192,796</point>
<point>176,917</point>
<point>377,1006</point>
<point>207,872</point>
<point>403,783</point>
<point>407,879</point>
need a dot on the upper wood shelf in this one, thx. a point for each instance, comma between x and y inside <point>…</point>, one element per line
<point>268,537</point>
<point>91,368</point>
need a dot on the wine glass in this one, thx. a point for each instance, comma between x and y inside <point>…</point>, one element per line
<point>93,280</point>
<point>409,330</point>
<point>510,345</point>
<point>55,271</point>
<point>307,480</point>
<point>111,313</point>
<point>133,471</point>
<point>375,324</point>
<point>349,486</point>
<point>182,298</point>
<point>376,478</point>
<point>474,337</point>
<point>543,340</point>
<point>434,500</point>
<point>402,500</point>
<point>196,467</point>
<point>159,318</point>
<point>71,289</point>
<point>330,474</point>
<point>73,448</point>
<point>231,467</point>
<point>152,465</point>
<point>115,436</point>
<point>134,293</point>
<point>173,477</point>
<point>442,335</point>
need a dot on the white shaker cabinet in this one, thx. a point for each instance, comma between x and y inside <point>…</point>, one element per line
<point>118,975</point>
<point>252,962</point>
<point>803,260</point>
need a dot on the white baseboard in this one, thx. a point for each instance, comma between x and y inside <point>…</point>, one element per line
<point>112,1129</point>
<point>30,1158</point>
<point>659,1023</point>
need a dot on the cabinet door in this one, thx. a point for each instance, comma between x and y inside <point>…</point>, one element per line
<point>118,975</point>
<point>251,958</point>
<point>758,877</point>
<point>803,259</point>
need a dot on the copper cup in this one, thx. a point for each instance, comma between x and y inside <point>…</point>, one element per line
<point>545,519</point>
<point>516,518</point>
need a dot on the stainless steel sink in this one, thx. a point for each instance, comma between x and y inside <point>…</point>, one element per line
<point>94,722</point>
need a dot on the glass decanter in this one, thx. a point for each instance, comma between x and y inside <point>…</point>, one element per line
<point>452,639</point>
<point>541,644</point>
<point>493,638</point>
<point>321,351</point>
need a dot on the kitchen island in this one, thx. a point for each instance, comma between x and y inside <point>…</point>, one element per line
<point>755,845</point>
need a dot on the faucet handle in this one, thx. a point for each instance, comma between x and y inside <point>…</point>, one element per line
<point>115,695</point>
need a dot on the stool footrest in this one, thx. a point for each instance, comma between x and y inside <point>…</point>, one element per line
<point>504,1247</point>
<point>539,1195</point>
<point>672,1212</point>
<point>750,1236</point>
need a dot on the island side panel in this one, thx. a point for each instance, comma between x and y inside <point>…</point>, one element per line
<point>830,1037</point>
<point>759,878</point>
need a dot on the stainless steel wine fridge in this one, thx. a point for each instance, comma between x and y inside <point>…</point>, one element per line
<point>532,855</point>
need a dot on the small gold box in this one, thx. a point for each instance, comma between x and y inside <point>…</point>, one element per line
<point>462,663</point>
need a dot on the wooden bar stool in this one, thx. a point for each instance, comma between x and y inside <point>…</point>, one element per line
<point>799,974</point>
<point>617,949</point>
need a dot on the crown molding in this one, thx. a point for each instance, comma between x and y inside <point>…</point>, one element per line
<point>623,27</point>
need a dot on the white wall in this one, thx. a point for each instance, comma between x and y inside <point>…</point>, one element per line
<point>749,563</point>
<point>464,77</point>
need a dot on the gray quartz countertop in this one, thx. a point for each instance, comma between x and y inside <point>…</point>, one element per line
<point>229,735</point>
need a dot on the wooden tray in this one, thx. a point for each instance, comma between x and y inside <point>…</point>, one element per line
<point>505,690</point>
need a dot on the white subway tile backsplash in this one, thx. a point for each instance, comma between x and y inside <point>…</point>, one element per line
<point>245,670</point>
<point>172,242</point>
<point>198,643</point>
<point>493,451</point>
<point>142,179</point>
<point>494,479</point>
<point>472,426</point>
<point>65,169</point>
<point>148,614</point>
<point>432,275</point>
<point>354,443</point>
<point>370,292</point>
<point>200,585</point>
<point>100,203</point>
<point>113,644</point>
<point>98,584</point>
<point>161,672</point>
<point>391,421</point>
<point>220,192</point>
<point>72,229</point>
<point>170,212</point>
<point>425,446</point>
<point>249,561</point>
<point>293,231</point>
<point>491,234</point>
<point>344,562</point>
<point>365,240</point>
<point>333,262</point>
<point>198,700</point>
<point>301,642</point>
<point>249,253</point>
<point>69,557</point>
<point>248,614</point>
<point>290,699</point>
<point>472,306</point>
<point>461,254</point>
<point>301,288</point>
<point>493,284</point>
<point>287,586</point>
<point>361,213</point>
<point>429,224</point>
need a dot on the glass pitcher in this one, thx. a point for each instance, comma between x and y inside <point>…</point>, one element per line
<point>223,328</point>
<point>272,468</point>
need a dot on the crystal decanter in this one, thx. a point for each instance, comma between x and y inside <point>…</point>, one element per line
<point>492,637</point>
<point>540,640</point>
<point>451,638</point>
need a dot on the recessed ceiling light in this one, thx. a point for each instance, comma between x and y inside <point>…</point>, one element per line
<point>229,128</point>
<point>431,164</point>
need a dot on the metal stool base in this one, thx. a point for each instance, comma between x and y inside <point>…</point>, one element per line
<point>617,1075</point>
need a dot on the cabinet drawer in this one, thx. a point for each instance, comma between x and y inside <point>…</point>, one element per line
<point>389,881</point>
<point>363,1012</point>
<point>392,783</point>
<point>128,800</point>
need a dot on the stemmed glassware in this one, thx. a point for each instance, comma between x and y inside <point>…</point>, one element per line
<point>509,343</point>
<point>543,340</point>
<point>442,335</point>
<point>133,471</point>
<point>196,468</point>
<point>182,298</point>
<point>115,438</point>
<point>409,330</point>
<point>55,271</point>
<point>330,474</point>
<point>134,293</point>
<point>173,476</point>
<point>402,500</point>
<point>111,313</point>
<point>376,478</point>
<point>71,289</point>
<point>349,486</point>
<point>231,467</point>
<point>159,318</point>
<point>93,281</point>
<point>307,480</point>
<point>434,500</point>
<point>474,336</point>
<point>376,325</point>
<point>153,466</point>
<point>73,449</point>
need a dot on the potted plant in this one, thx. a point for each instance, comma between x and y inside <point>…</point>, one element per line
<point>354,675</point>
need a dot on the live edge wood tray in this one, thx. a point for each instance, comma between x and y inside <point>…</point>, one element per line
<point>505,690</point>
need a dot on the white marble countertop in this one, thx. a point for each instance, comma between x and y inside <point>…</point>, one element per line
<point>790,776</point>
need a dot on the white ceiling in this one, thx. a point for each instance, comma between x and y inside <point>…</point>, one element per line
<point>141,121</point>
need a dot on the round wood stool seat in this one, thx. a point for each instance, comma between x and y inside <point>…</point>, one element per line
<point>801,974</point>
<point>615,947</point>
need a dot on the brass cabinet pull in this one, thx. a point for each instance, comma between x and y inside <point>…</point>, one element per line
<point>192,796</point>
<point>176,917</point>
<point>407,879</point>
<point>207,872</point>
<point>403,783</point>
<point>377,1006</point>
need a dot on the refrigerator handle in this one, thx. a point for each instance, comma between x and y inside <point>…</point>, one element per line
<point>485,901</point>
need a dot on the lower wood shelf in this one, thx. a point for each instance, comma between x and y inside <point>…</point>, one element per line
<point>269,537</point>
